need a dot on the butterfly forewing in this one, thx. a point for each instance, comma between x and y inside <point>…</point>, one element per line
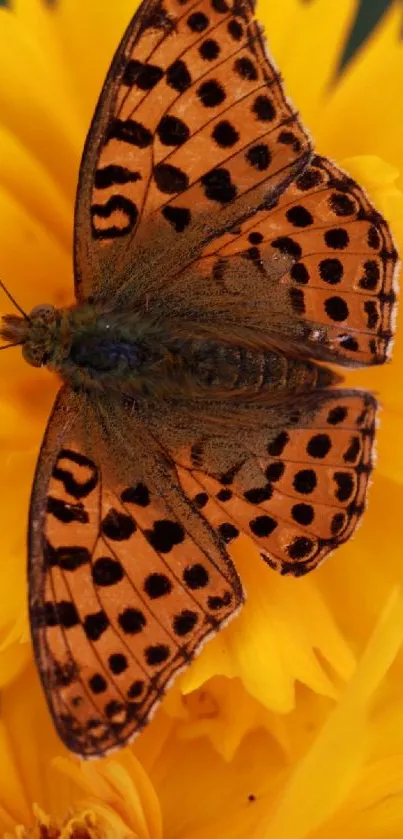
<point>123,592</point>
<point>192,132</point>
<point>315,273</point>
<point>343,280</point>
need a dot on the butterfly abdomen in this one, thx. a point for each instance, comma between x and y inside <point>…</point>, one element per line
<point>243,370</point>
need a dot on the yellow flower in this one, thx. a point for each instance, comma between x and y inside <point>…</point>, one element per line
<point>270,732</point>
<point>316,772</point>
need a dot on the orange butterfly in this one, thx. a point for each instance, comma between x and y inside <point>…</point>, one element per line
<point>217,260</point>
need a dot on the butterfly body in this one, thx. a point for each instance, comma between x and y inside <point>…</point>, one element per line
<point>123,354</point>
<point>219,265</point>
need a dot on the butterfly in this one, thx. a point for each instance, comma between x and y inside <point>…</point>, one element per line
<point>219,264</point>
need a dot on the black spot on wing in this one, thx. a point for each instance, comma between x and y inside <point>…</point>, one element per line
<point>62,675</point>
<point>218,185</point>
<point>165,535</point>
<point>178,217</point>
<point>67,558</point>
<point>178,76</point>
<point>118,663</point>
<point>196,576</point>
<point>353,451</point>
<point>309,179</point>
<point>337,415</point>
<point>263,108</point>
<point>119,204</point>
<point>301,548</point>
<point>132,621</point>
<point>61,613</point>
<point>215,602</point>
<point>209,50</point>
<point>305,481</point>
<point>276,447</point>
<point>136,689</point>
<point>95,624</point>
<point>131,132</point>
<point>235,29</point>
<point>299,216</point>
<point>65,512</point>
<point>331,270</point>
<point>184,622</point>
<point>111,175</point>
<point>275,471</point>
<point>259,156</point>
<point>117,526</point>
<point>337,238</point>
<point>170,179</point>
<point>245,69</point>
<point>172,131</point>
<point>138,494</point>
<point>97,683</point>
<point>156,654</point>
<point>263,526</point>
<point>197,22</point>
<point>74,487</point>
<point>303,514</point>
<point>336,308</point>
<point>107,571</point>
<point>157,585</point>
<point>225,134</point>
<point>257,495</point>
<point>228,532</point>
<point>211,93</point>
<point>143,76</point>
<point>345,485</point>
<point>319,446</point>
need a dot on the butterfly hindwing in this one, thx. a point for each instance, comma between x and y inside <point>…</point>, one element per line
<point>192,132</point>
<point>123,591</point>
<point>293,477</point>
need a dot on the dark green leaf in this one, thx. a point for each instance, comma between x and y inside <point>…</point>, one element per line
<point>368,16</point>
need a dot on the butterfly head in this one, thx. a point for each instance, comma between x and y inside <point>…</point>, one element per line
<point>35,332</point>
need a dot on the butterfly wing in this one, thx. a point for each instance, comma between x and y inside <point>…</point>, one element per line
<point>191,133</point>
<point>124,586</point>
<point>315,273</point>
<point>293,477</point>
<point>189,181</point>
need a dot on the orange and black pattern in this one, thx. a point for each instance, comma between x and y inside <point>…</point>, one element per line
<point>126,594</point>
<point>339,289</point>
<point>192,123</point>
<point>309,481</point>
<point>211,241</point>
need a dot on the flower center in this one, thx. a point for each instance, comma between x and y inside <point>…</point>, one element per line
<point>84,825</point>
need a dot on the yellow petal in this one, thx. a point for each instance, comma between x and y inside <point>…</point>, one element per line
<point>306,40</point>
<point>272,643</point>
<point>340,749</point>
<point>363,114</point>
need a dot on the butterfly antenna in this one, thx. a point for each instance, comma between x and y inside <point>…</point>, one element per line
<point>17,306</point>
<point>7,346</point>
